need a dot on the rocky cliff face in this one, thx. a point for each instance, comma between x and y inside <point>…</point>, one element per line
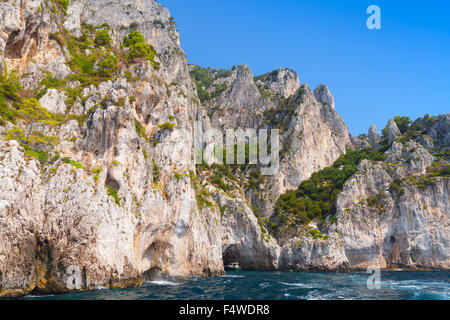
<point>315,138</point>
<point>395,227</point>
<point>119,207</point>
<point>98,181</point>
<point>313,135</point>
<point>283,82</point>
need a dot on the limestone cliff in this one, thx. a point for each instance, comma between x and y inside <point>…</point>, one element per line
<point>388,218</point>
<point>111,202</point>
<point>98,185</point>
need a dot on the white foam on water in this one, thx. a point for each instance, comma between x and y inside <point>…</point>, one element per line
<point>264,285</point>
<point>231,276</point>
<point>30,296</point>
<point>161,283</point>
<point>100,288</point>
<point>299,285</point>
<point>315,295</point>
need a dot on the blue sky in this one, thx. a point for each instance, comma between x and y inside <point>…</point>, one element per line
<point>403,69</point>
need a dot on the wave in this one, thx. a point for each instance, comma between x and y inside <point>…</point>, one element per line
<point>299,285</point>
<point>100,288</point>
<point>161,283</point>
<point>32,296</point>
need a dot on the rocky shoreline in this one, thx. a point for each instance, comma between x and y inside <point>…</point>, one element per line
<point>98,184</point>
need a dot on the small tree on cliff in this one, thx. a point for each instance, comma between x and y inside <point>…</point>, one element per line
<point>139,48</point>
<point>32,112</point>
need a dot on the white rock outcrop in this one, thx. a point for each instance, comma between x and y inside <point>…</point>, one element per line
<point>54,101</point>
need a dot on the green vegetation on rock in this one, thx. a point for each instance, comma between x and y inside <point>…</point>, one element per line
<point>31,113</point>
<point>281,116</point>
<point>402,123</point>
<point>204,78</point>
<point>395,187</point>
<point>73,163</point>
<point>64,5</point>
<point>97,172</point>
<point>156,171</point>
<point>102,38</point>
<point>9,93</point>
<point>166,126</point>
<point>113,193</point>
<point>140,130</point>
<point>139,48</point>
<point>178,176</point>
<point>316,197</point>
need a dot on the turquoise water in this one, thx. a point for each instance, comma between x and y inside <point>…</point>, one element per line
<point>247,285</point>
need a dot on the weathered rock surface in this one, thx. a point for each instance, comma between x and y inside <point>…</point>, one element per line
<point>392,131</point>
<point>323,95</point>
<point>282,81</point>
<point>360,142</point>
<point>315,139</point>
<point>122,204</point>
<point>240,105</point>
<point>54,101</point>
<point>20,217</point>
<point>64,229</point>
<point>243,240</point>
<point>406,229</point>
<point>24,34</point>
<point>374,138</point>
<point>308,254</point>
<point>436,132</point>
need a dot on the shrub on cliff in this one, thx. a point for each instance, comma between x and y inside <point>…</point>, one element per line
<point>64,5</point>
<point>10,86</point>
<point>402,123</point>
<point>395,187</point>
<point>108,65</point>
<point>139,48</point>
<point>166,126</point>
<point>102,38</point>
<point>6,112</point>
<point>113,193</point>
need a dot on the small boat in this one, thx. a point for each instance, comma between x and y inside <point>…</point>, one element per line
<point>233,267</point>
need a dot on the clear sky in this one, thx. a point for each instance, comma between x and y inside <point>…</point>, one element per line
<point>403,69</point>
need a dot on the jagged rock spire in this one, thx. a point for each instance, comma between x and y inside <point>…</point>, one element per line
<point>392,131</point>
<point>374,137</point>
<point>323,94</point>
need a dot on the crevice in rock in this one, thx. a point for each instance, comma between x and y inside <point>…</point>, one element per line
<point>104,133</point>
<point>20,43</point>
<point>84,277</point>
<point>43,266</point>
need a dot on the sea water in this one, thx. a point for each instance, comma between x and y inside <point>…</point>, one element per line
<point>249,285</point>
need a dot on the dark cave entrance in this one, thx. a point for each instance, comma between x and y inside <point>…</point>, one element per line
<point>231,255</point>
